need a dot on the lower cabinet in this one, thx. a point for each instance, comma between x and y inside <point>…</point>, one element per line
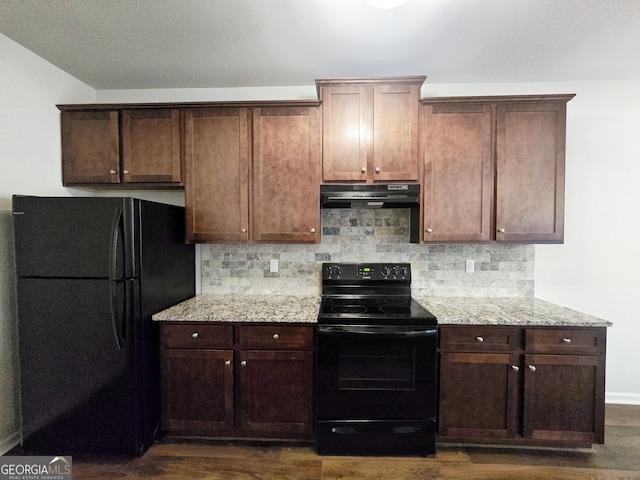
<point>231,380</point>
<point>511,385</point>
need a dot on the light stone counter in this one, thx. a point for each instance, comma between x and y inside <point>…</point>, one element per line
<point>506,311</point>
<point>448,310</point>
<point>243,308</point>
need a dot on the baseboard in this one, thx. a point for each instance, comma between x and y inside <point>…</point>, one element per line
<point>623,398</point>
<point>6,444</point>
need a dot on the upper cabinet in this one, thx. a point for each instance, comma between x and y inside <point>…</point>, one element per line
<point>112,146</point>
<point>90,147</point>
<point>217,147</point>
<point>286,174</point>
<point>370,129</point>
<point>253,174</point>
<point>494,169</point>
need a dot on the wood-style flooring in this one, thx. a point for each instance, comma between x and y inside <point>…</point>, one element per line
<point>618,458</point>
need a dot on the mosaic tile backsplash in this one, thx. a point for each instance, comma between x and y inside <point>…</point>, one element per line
<point>364,235</point>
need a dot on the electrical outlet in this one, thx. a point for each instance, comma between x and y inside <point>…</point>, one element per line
<point>470,266</point>
<point>273,265</point>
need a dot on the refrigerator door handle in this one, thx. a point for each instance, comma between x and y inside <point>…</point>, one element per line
<point>117,303</point>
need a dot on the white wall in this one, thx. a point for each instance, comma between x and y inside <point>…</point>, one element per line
<point>30,88</point>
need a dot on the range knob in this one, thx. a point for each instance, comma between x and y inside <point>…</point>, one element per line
<point>386,271</point>
<point>404,271</point>
<point>334,271</point>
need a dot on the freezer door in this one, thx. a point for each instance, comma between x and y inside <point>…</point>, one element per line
<point>70,237</point>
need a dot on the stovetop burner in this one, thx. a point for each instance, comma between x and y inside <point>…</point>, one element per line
<point>370,294</point>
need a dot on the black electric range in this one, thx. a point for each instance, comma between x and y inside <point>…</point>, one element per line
<point>375,363</point>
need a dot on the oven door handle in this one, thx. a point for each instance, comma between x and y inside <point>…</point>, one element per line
<point>377,331</point>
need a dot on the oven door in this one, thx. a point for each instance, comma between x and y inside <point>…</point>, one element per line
<point>376,372</point>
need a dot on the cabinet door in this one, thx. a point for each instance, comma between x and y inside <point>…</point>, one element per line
<point>479,395</point>
<point>458,176</point>
<point>286,174</point>
<point>276,389</point>
<point>197,391</point>
<point>90,147</point>
<point>395,132</point>
<point>346,118</point>
<point>530,172</point>
<point>217,185</point>
<point>564,398</point>
<point>151,146</point>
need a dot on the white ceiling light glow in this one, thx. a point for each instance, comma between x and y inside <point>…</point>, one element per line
<point>386,4</point>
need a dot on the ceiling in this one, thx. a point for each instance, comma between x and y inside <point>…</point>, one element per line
<point>131,44</point>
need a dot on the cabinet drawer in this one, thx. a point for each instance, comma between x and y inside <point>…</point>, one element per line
<point>479,338</point>
<point>275,336</point>
<point>196,335</point>
<point>588,341</point>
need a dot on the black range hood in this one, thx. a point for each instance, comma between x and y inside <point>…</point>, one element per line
<point>393,195</point>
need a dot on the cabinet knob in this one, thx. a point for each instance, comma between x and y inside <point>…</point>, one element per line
<point>480,339</point>
<point>195,335</point>
<point>276,336</point>
<point>429,230</point>
<point>126,172</point>
<point>532,368</point>
<point>515,368</point>
<point>313,230</point>
<point>243,363</point>
<point>112,171</point>
<point>566,340</point>
<point>378,169</point>
<point>243,230</point>
<point>363,169</point>
<point>228,362</point>
<point>501,230</point>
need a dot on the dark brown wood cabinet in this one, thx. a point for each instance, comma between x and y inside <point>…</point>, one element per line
<point>114,147</point>
<point>458,172</point>
<point>253,174</point>
<point>151,146</point>
<point>286,175</point>
<point>90,147</point>
<point>494,169</point>
<point>237,380</point>
<point>512,385</point>
<point>217,146</point>
<point>370,129</point>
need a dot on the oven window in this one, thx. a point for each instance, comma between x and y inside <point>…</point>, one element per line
<point>376,367</point>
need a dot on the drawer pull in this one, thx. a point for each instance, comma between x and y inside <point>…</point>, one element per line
<point>243,363</point>
<point>228,362</point>
<point>195,335</point>
<point>566,340</point>
<point>276,336</point>
<point>532,368</point>
<point>480,339</point>
<point>515,368</point>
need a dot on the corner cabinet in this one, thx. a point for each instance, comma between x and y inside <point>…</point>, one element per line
<point>237,380</point>
<point>527,386</point>
<point>121,147</point>
<point>253,174</point>
<point>370,129</point>
<point>494,169</point>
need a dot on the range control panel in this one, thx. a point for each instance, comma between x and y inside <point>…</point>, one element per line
<point>363,272</point>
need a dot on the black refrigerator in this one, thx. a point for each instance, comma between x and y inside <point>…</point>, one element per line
<point>91,273</point>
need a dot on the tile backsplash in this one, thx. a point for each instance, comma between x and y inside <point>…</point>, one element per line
<point>363,235</point>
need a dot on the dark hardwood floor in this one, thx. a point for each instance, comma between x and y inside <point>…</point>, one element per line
<point>618,458</point>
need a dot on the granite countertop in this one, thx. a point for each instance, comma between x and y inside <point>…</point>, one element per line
<point>244,308</point>
<point>506,311</point>
<point>448,310</point>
